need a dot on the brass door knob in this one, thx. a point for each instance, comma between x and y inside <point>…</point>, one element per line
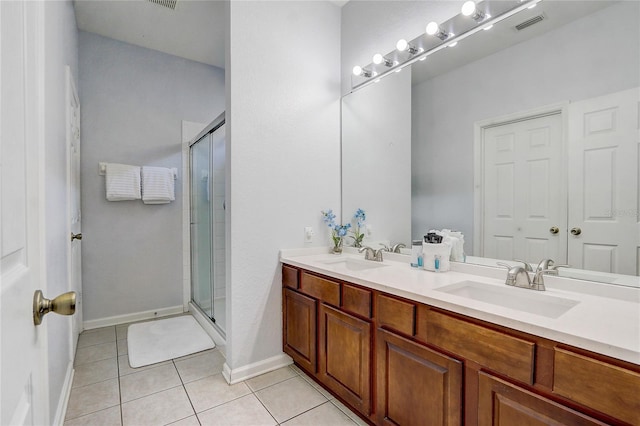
<point>576,231</point>
<point>554,230</point>
<point>65,304</point>
<point>76,236</point>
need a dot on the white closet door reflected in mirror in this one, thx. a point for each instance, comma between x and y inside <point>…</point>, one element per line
<point>525,176</point>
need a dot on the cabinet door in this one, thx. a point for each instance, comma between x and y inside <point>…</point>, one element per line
<point>416,385</point>
<point>344,355</point>
<point>502,403</point>
<point>299,317</point>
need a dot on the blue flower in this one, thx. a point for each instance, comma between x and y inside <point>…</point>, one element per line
<point>360,218</point>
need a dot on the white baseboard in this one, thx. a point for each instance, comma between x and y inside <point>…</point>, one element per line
<point>61,411</point>
<point>136,316</point>
<point>248,371</point>
<point>209,328</point>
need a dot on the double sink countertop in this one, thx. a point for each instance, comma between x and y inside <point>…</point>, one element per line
<point>599,317</point>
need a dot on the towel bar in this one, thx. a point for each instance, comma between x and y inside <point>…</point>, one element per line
<point>102,170</point>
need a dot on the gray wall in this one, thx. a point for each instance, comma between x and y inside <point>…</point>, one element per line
<point>573,62</point>
<point>133,101</point>
<point>61,49</point>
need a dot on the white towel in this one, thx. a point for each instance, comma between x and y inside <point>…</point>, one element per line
<point>123,182</point>
<point>157,185</point>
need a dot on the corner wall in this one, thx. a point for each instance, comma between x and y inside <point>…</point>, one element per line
<point>133,101</point>
<point>283,146</point>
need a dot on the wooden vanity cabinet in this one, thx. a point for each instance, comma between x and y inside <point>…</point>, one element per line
<point>400,362</point>
<point>344,356</point>
<point>503,403</point>
<point>416,385</point>
<point>299,329</point>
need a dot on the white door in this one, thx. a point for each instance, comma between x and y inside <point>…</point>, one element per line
<point>603,183</point>
<point>75,216</point>
<point>23,378</point>
<point>523,190</point>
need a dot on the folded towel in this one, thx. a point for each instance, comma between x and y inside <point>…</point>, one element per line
<point>122,182</point>
<point>429,253</point>
<point>157,185</point>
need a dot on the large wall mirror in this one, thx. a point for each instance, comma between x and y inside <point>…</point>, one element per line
<point>525,138</point>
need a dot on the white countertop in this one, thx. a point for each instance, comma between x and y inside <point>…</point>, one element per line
<point>605,320</point>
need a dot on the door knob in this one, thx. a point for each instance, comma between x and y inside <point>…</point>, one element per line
<point>76,236</point>
<point>65,304</point>
<point>554,230</point>
<point>576,231</point>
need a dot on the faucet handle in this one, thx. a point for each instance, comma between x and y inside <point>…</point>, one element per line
<point>384,247</point>
<point>370,253</point>
<point>505,265</point>
<point>538,280</point>
<point>553,270</point>
<point>527,266</point>
<point>378,255</point>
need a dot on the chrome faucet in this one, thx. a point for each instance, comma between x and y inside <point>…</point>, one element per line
<point>371,254</point>
<point>393,249</point>
<point>527,266</point>
<point>550,267</point>
<point>396,247</point>
<point>519,277</point>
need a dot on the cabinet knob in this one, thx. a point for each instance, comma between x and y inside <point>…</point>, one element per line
<point>576,231</point>
<point>554,230</point>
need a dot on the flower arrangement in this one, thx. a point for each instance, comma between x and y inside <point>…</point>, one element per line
<point>358,233</point>
<point>338,232</point>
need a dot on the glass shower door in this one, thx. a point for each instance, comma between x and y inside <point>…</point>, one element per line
<point>201,226</point>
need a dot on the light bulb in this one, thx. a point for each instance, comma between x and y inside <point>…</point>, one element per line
<point>468,8</point>
<point>402,45</point>
<point>377,59</point>
<point>454,44</point>
<point>357,70</point>
<point>432,28</point>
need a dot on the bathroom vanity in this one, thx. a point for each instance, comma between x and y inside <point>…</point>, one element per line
<point>403,346</point>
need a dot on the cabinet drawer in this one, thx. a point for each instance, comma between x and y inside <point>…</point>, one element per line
<point>604,387</point>
<point>396,314</point>
<point>289,277</point>
<point>356,300</point>
<point>320,288</point>
<point>498,351</point>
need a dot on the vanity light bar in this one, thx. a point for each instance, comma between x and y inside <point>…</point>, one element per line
<point>419,48</point>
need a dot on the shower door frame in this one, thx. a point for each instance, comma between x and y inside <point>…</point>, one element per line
<point>207,131</point>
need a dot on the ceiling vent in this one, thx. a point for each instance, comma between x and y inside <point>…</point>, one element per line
<point>171,4</point>
<point>529,22</point>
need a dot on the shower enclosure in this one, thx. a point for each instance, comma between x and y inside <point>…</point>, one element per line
<point>207,193</point>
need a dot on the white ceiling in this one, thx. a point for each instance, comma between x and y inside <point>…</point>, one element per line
<point>195,30</point>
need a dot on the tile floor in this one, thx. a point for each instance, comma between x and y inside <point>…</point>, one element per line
<point>188,391</point>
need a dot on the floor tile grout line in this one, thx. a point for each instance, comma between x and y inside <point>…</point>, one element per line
<point>89,413</point>
<point>119,388</point>
<point>184,388</point>
<point>265,407</point>
<point>153,393</point>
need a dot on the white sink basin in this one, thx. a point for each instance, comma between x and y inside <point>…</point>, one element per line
<point>519,299</point>
<point>350,264</point>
